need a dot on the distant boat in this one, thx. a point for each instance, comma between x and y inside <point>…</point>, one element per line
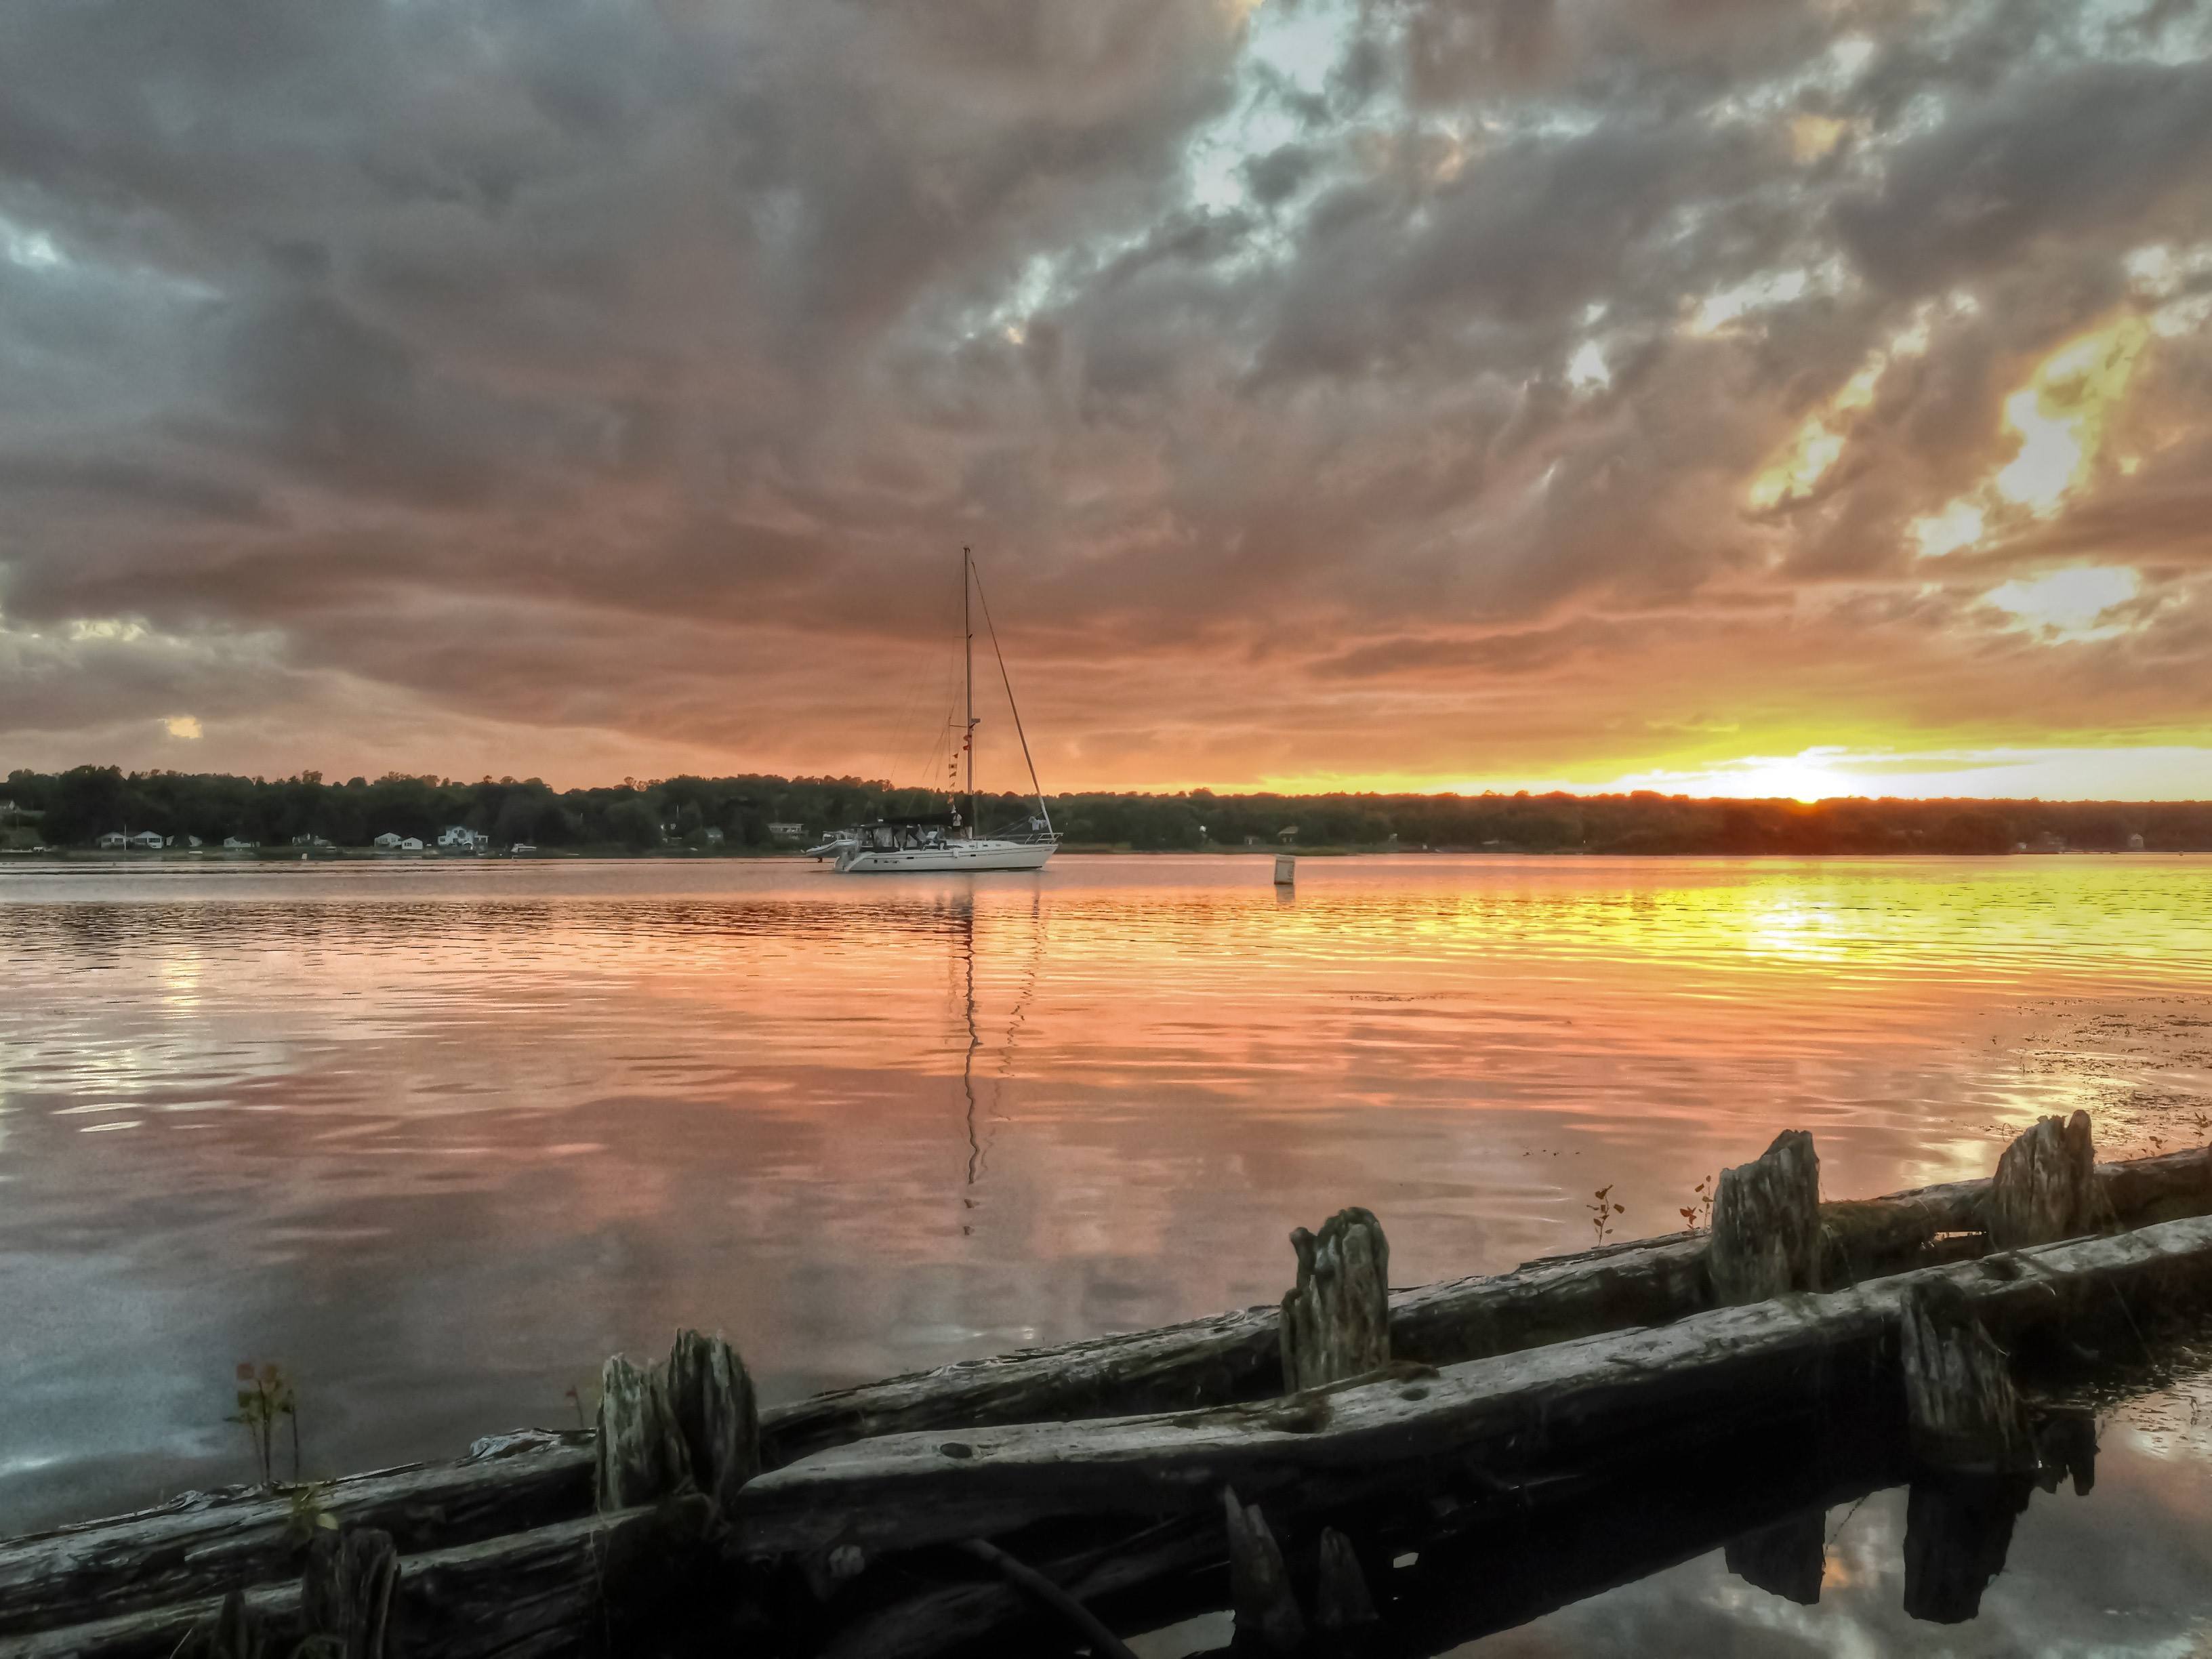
<point>934,843</point>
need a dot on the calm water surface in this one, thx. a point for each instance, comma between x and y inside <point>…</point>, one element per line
<point>438,1136</point>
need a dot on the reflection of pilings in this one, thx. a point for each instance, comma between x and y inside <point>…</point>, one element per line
<point>1957,1530</point>
<point>1785,1559</point>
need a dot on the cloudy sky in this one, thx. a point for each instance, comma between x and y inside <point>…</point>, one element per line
<point>1720,395</point>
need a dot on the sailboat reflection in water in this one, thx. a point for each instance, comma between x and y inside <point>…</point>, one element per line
<point>948,841</point>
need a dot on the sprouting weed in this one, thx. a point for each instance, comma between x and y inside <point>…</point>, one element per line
<point>1699,1211</point>
<point>266,1394</point>
<point>586,1399</point>
<point>310,1512</point>
<point>1602,1210</point>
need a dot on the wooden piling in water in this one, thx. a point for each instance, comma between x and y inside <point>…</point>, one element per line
<point>2045,1184</point>
<point>1766,1224</point>
<point>1336,1319</point>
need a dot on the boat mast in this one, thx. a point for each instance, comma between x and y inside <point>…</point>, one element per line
<point>967,648</point>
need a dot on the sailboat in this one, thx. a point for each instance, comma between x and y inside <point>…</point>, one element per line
<point>947,840</point>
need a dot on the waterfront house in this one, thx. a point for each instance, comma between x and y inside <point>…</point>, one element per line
<point>388,841</point>
<point>147,841</point>
<point>1288,835</point>
<point>2135,843</point>
<point>232,844</point>
<point>411,843</point>
<point>788,831</point>
<point>456,838</point>
<point>712,836</point>
<point>113,841</point>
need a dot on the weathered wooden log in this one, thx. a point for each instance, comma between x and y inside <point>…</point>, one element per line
<point>711,1399</point>
<point>2046,1186</point>
<point>194,1548</point>
<point>640,1450</point>
<point>200,1544</point>
<point>1766,1224</point>
<point>345,1595</point>
<point>1336,1320</point>
<point>1341,1598</point>
<point>235,1630</point>
<point>1786,1558</point>
<point>1408,1432</point>
<point>1267,1616</point>
<point>1965,1414</point>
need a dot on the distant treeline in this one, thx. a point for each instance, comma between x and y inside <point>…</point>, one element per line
<point>74,808</point>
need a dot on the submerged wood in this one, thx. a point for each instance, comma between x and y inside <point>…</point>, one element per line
<point>1267,1616</point>
<point>1336,1320</point>
<point>1965,1414</point>
<point>2044,1186</point>
<point>1031,1583</point>
<point>1766,1224</point>
<point>1483,1420</point>
<point>1341,1601</point>
<point>203,1543</point>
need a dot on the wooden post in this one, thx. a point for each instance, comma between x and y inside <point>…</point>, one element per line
<point>641,1452</point>
<point>1787,1559</point>
<point>1336,1321</point>
<point>2044,1185</point>
<point>1287,870</point>
<point>345,1595</point>
<point>1766,1224</point>
<point>1963,1414</point>
<point>711,1399</point>
<point>1260,1587</point>
<point>1341,1602</point>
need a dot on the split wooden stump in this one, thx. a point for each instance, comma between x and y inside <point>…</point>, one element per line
<point>2045,1188</point>
<point>1336,1320</point>
<point>1766,1224</point>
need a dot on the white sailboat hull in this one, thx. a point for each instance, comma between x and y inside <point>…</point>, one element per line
<point>971,855</point>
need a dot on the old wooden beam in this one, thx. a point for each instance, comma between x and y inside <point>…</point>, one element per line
<point>711,1397</point>
<point>202,1544</point>
<point>1484,1418</point>
<point>1336,1320</point>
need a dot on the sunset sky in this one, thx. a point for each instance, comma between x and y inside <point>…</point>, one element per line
<point>1719,395</point>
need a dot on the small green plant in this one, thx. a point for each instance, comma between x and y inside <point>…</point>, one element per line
<point>1698,1212</point>
<point>264,1394</point>
<point>310,1511</point>
<point>1602,1210</point>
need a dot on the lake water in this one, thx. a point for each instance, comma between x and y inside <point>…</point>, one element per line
<point>437,1137</point>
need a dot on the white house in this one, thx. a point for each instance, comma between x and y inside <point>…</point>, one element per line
<point>411,843</point>
<point>114,839</point>
<point>713,836</point>
<point>232,844</point>
<point>389,842</point>
<point>455,838</point>
<point>148,840</point>
<point>192,842</point>
<point>788,831</point>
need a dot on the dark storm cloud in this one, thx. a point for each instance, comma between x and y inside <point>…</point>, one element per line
<point>558,363</point>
